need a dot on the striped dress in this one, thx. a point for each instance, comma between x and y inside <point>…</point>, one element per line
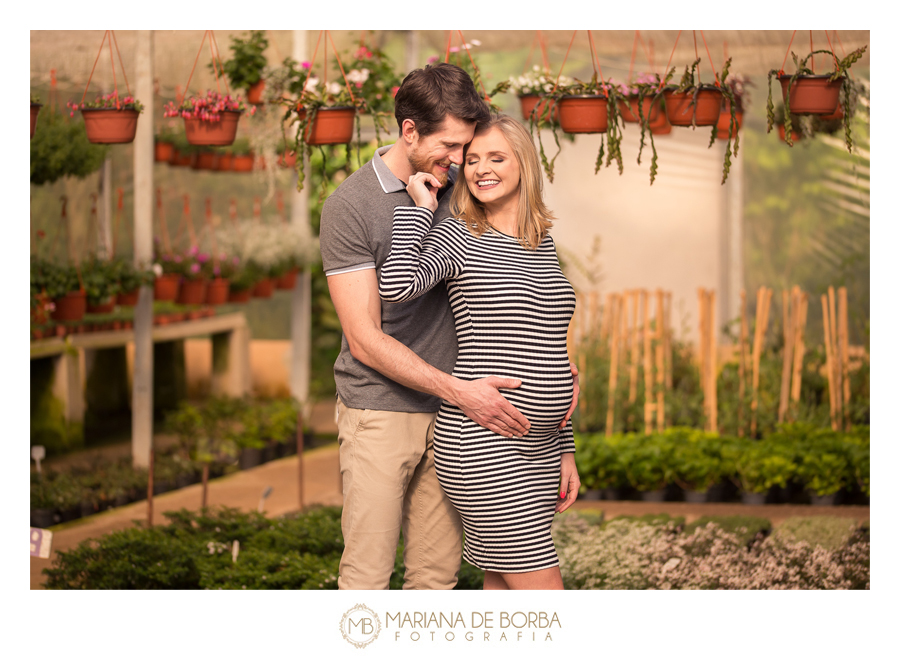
<point>512,308</point>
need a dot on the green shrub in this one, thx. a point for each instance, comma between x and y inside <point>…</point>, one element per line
<point>826,531</point>
<point>746,528</point>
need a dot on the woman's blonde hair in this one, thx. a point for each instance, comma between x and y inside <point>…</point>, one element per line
<point>534,217</point>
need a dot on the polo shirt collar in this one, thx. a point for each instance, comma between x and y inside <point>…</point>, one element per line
<point>389,182</point>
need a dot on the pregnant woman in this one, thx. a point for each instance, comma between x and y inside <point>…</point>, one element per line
<point>512,306</point>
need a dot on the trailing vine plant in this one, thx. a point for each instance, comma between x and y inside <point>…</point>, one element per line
<point>841,67</point>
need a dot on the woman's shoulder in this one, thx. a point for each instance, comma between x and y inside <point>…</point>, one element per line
<point>453,226</point>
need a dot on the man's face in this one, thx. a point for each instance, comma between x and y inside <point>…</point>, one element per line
<point>435,152</point>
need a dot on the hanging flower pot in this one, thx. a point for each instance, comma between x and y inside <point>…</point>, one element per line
<point>70,307</point>
<point>288,280</point>
<point>35,108</point>
<point>583,114</point>
<point>630,112</point>
<point>217,291</point>
<point>128,298</point>
<point>165,287</point>
<point>204,132</point>
<point>264,288</point>
<point>725,120</point>
<point>239,296</point>
<point>242,163</point>
<point>811,94</point>
<point>682,111</point>
<point>332,125</point>
<point>109,125</point>
<point>163,151</point>
<point>255,92</point>
<point>225,162</point>
<point>191,291</point>
<point>287,159</point>
<point>533,103</point>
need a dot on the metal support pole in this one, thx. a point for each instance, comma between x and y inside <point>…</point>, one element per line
<point>142,388</point>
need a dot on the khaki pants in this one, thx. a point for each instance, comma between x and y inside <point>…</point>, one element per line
<point>387,467</point>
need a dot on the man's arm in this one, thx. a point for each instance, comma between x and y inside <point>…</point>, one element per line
<point>358,305</point>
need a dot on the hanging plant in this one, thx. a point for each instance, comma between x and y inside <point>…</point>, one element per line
<point>247,65</point>
<point>529,88</point>
<point>210,119</point>
<point>738,85</point>
<point>692,103</point>
<point>61,148</point>
<point>107,119</point>
<point>375,80</point>
<point>804,92</point>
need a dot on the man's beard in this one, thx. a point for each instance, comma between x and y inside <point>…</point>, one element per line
<point>426,165</point>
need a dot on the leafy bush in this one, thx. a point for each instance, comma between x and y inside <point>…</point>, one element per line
<point>825,531</point>
<point>61,148</point>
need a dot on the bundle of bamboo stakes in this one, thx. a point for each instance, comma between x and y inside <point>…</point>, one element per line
<point>629,337</point>
<point>837,357</point>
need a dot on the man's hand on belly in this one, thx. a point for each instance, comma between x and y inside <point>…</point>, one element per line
<point>481,401</point>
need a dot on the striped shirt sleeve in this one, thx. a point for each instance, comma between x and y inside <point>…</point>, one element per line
<point>421,256</point>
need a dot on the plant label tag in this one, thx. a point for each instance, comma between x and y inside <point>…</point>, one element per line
<point>235,547</point>
<point>37,454</point>
<point>40,542</point>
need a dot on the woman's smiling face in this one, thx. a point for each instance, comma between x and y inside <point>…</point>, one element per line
<point>491,170</point>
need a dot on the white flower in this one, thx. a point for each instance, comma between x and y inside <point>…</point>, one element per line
<point>357,75</point>
<point>334,88</point>
<point>311,83</point>
<point>157,269</point>
<point>476,42</point>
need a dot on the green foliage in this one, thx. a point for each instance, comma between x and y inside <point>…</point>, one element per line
<point>747,528</point>
<point>829,532</point>
<point>101,279</point>
<point>247,63</point>
<point>60,148</point>
<point>52,278</point>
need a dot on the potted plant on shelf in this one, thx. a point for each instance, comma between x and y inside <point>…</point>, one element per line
<point>194,267</point>
<point>130,280</point>
<point>109,120</point>
<point>241,280</point>
<point>806,93</point>
<point>62,284</point>
<point>242,157</point>
<point>697,464</point>
<point>210,119</point>
<point>247,64</point>
<point>167,271</point>
<point>35,109</point>
<point>762,468</point>
<point>101,283</point>
<point>166,141</point>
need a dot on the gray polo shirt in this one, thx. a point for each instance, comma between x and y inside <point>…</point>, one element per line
<point>355,234</point>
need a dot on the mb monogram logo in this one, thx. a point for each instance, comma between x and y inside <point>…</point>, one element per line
<point>360,626</point>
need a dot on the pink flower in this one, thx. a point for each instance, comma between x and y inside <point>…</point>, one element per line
<point>306,65</point>
<point>195,268</point>
<point>216,270</point>
<point>434,58</point>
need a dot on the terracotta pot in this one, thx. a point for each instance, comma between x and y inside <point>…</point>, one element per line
<point>217,291</point>
<point>107,307</point>
<point>242,163</point>
<point>255,92</point>
<point>191,291</point>
<point>811,94</point>
<point>332,125</point>
<point>71,306</point>
<point>110,126</point>
<point>794,134</point>
<point>204,160</point>
<point>128,298</point>
<point>239,296</point>
<point>165,287</point>
<point>225,161</point>
<point>212,133</point>
<point>725,120</point>
<point>583,114</point>
<point>264,288</point>
<point>163,151</point>
<point>180,159</point>
<point>39,312</point>
<point>288,280</point>
<point>35,108</point>
<point>837,115</point>
<point>630,112</point>
<point>287,159</point>
<point>661,125</point>
<point>37,334</point>
<point>681,112</point>
<point>531,101</point>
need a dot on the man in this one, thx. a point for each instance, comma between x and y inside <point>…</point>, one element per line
<point>392,372</point>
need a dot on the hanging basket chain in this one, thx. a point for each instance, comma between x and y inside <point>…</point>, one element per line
<point>218,57</point>
<point>196,59</point>
<point>313,61</point>
<point>562,66</point>
<point>121,64</point>
<point>781,70</point>
<point>464,45</point>
<point>341,67</point>
<point>711,64</point>
<point>90,77</point>
<point>662,78</point>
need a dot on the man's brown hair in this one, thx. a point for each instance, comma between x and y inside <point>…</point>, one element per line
<point>428,95</point>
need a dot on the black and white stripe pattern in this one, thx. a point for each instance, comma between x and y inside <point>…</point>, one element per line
<point>512,308</point>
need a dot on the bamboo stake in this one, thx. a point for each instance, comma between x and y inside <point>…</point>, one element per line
<point>845,353</point>
<point>667,340</point>
<point>711,376</point>
<point>829,361</point>
<point>648,365</point>
<point>799,347</point>
<point>593,312</point>
<point>742,364</point>
<point>788,319</point>
<point>613,365</point>
<point>660,366</point>
<point>837,359</point>
<point>763,297</point>
<point>701,349</point>
<point>635,349</point>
